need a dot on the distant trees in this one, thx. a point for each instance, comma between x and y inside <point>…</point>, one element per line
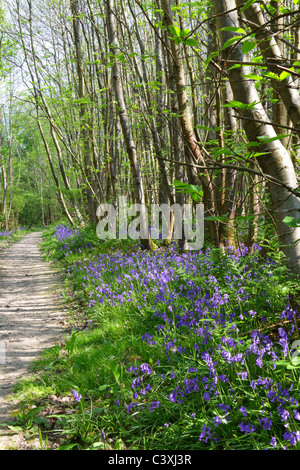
<point>129,96</point>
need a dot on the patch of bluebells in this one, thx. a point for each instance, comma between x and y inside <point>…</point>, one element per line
<point>6,233</point>
<point>10,233</point>
<point>203,355</point>
<point>71,240</point>
<point>62,232</point>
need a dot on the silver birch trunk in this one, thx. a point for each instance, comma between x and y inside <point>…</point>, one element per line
<point>276,160</point>
<point>273,56</point>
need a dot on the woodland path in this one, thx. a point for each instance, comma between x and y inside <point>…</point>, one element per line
<point>31,316</point>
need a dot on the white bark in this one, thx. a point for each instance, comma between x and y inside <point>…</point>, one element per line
<point>272,55</point>
<point>276,161</point>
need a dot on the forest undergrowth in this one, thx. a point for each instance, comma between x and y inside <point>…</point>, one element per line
<point>9,237</point>
<point>170,350</point>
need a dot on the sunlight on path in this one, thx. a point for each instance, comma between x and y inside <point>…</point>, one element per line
<point>31,313</point>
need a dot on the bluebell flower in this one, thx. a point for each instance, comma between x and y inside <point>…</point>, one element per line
<point>292,436</point>
<point>266,423</point>
<point>296,414</point>
<point>273,442</point>
<point>246,427</point>
<point>154,404</point>
<point>77,395</point>
<point>217,420</point>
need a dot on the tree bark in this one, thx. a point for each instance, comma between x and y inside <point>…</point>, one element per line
<point>276,160</point>
<point>192,149</point>
<point>272,55</point>
<point>85,125</point>
<point>126,127</point>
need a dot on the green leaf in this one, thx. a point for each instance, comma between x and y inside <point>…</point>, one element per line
<point>191,42</point>
<point>235,29</point>
<point>258,154</point>
<point>67,446</point>
<point>196,197</point>
<point>284,10</point>
<point>291,222</point>
<point>257,60</point>
<point>235,104</point>
<point>231,41</point>
<point>248,46</point>
<point>291,366</point>
<point>175,30</point>
<point>15,428</point>
<point>196,192</point>
<point>205,128</point>
<point>239,104</point>
<point>266,140</point>
<point>207,61</point>
<point>235,66</point>
<point>103,387</point>
<point>271,75</point>
<point>252,76</point>
<point>284,75</point>
<point>217,217</point>
<point>116,369</point>
<point>119,445</point>
<point>247,5</point>
<point>281,363</point>
<point>98,445</point>
<point>184,33</point>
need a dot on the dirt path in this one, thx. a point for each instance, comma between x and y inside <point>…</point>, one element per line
<point>31,315</point>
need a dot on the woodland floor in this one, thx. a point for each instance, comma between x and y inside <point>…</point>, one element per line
<point>31,320</point>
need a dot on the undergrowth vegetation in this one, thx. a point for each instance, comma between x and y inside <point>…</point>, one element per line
<point>186,351</point>
<point>8,237</point>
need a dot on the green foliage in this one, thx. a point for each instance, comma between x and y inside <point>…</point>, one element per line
<point>292,222</point>
<point>247,5</point>
<point>196,192</point>
<point>182,36</point>
<point>240,105</point>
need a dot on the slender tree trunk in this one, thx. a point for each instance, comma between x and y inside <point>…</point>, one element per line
<point>55,177</point>
<point>156,124</point>
<point>85,124</point>
<point>126,127</point>
<point>253,209</point>
<point>3,172</point>
<point>37,88</point>
<point>192,149</point>
<point>4,200</point>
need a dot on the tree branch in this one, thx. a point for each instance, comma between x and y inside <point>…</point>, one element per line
<point>218,166</point>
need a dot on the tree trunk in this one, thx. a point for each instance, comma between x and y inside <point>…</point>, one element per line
<point>85,125</point>
<point>126,127</point>
<point>192,150</point>
<point>272,55</point>
<point>37,94</point>
<point>276,161</point>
